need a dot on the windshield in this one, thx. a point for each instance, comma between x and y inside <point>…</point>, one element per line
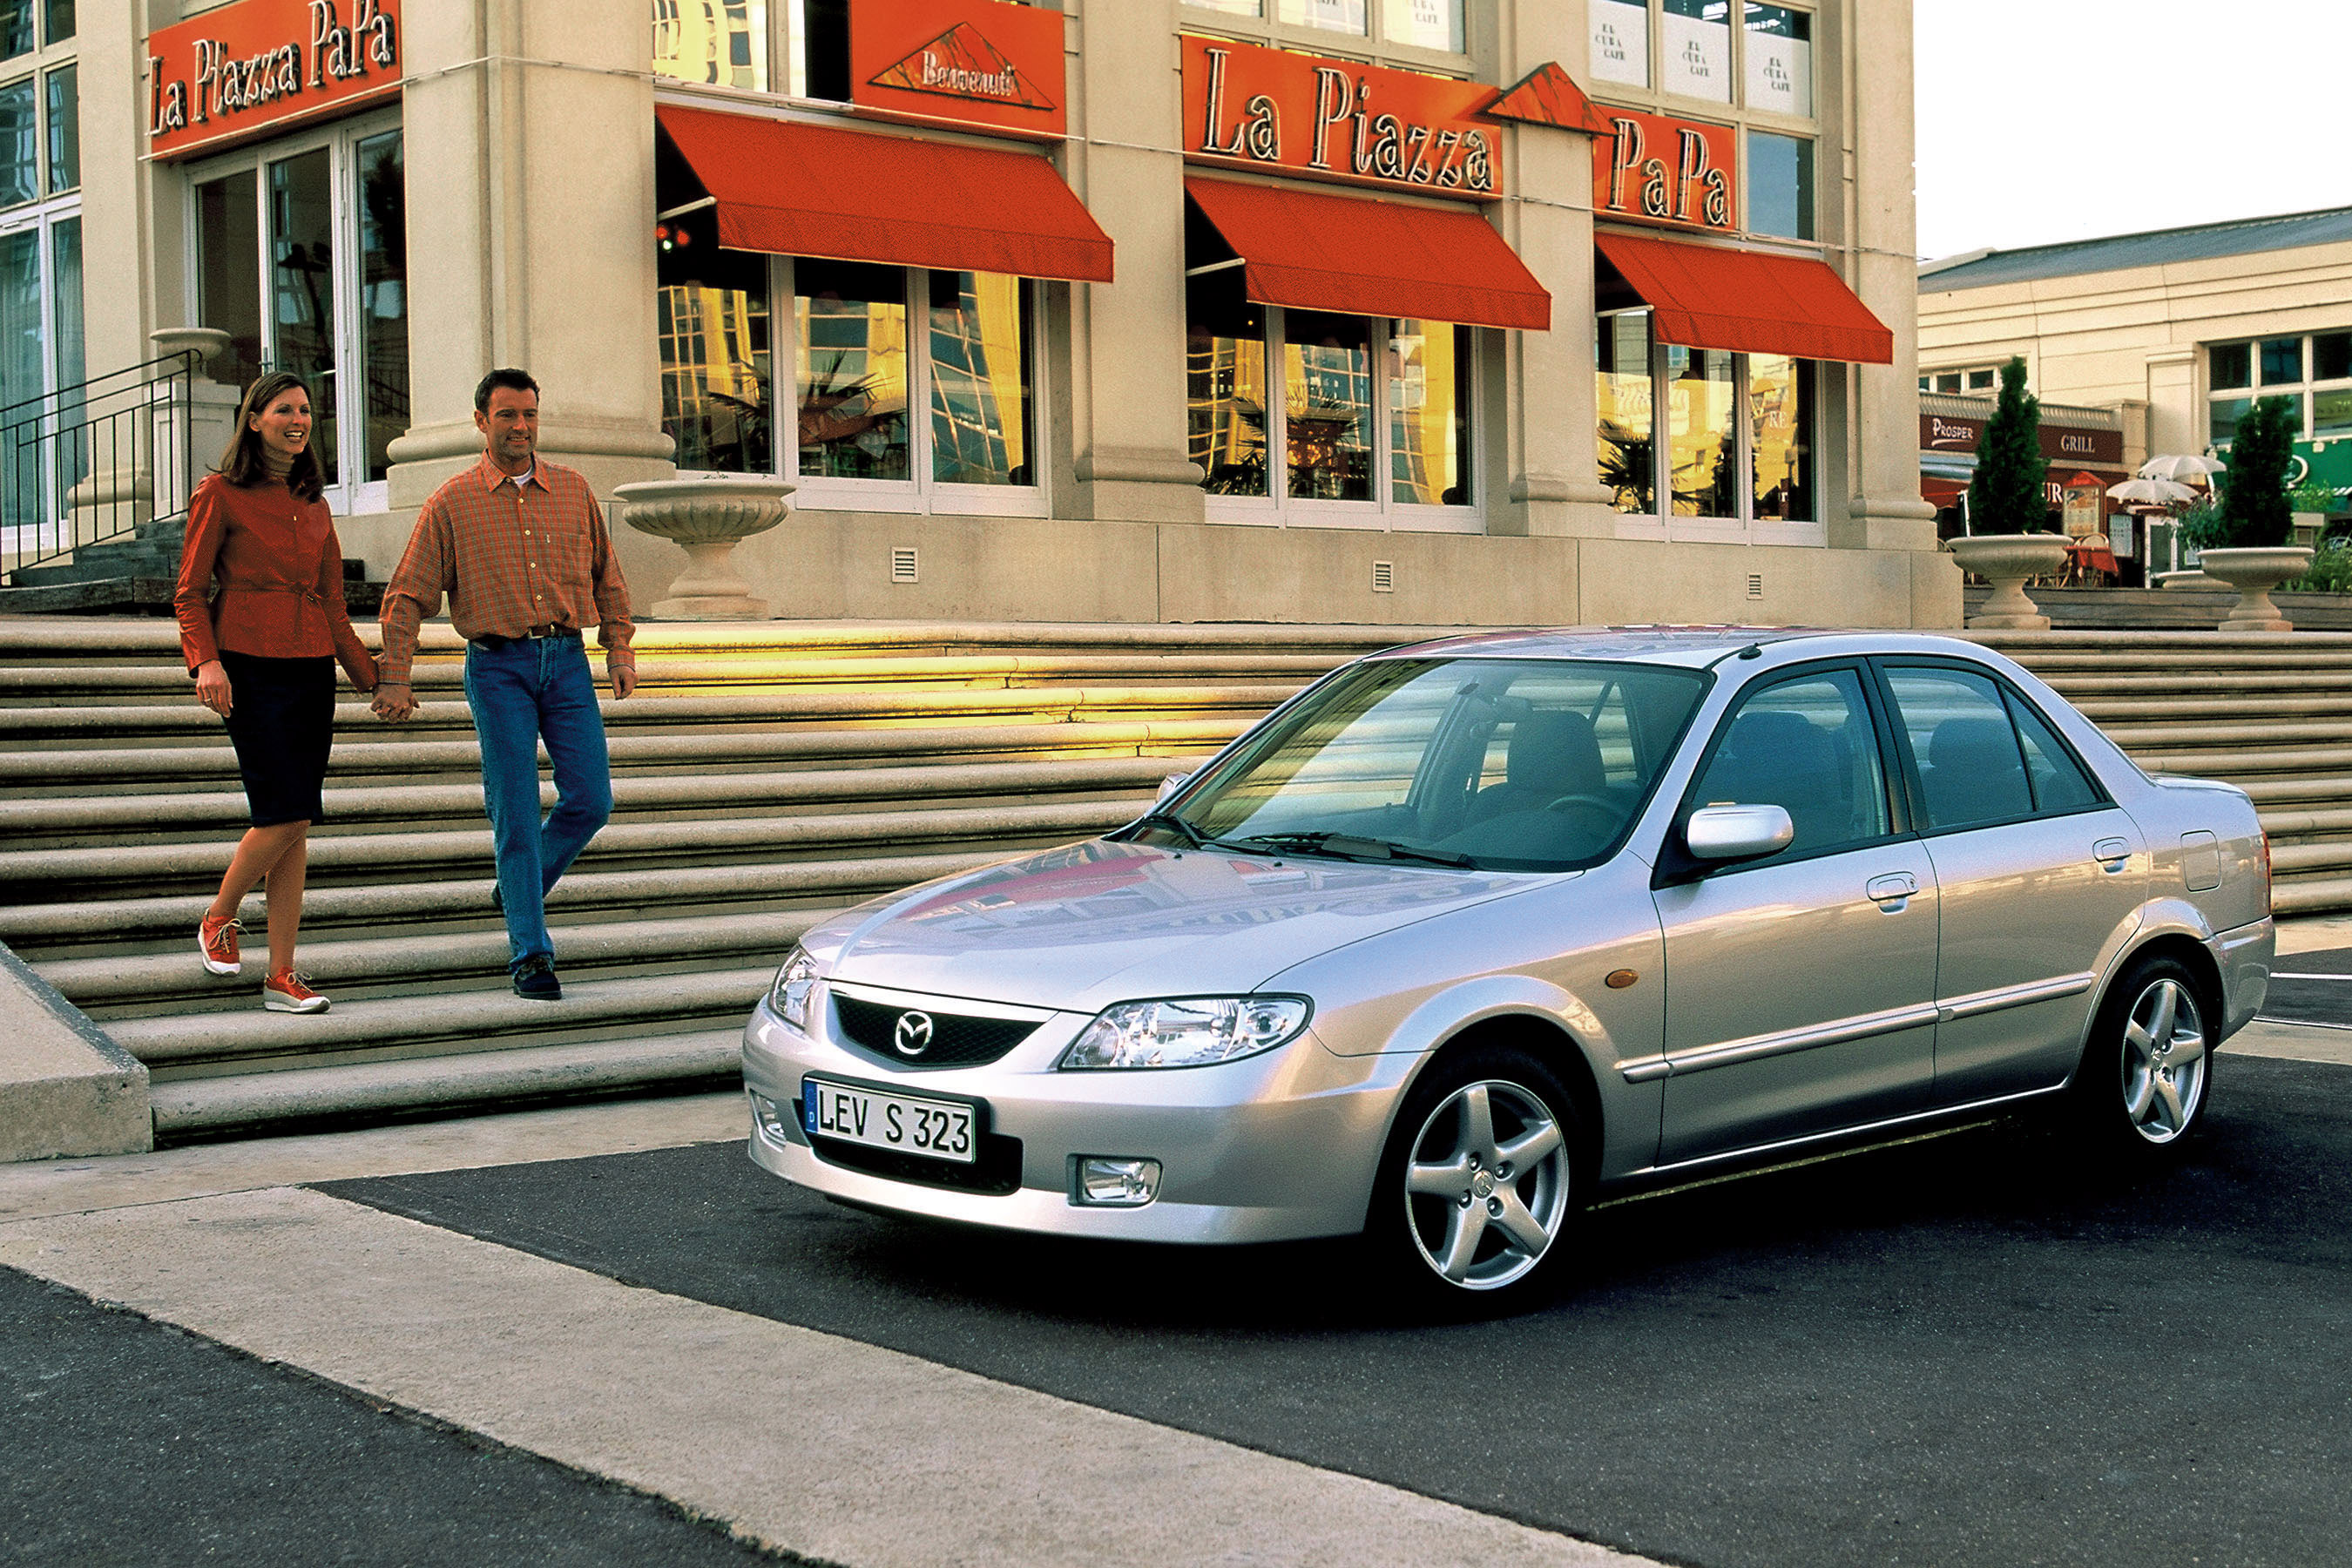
<point>1504,764</point>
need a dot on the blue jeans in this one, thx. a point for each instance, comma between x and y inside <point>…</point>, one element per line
<point>537,689</point>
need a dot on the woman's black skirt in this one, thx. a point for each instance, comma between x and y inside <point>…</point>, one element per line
<point>282,721</point>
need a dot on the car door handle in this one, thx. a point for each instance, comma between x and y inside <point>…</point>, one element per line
<point>2112,854</point>
<point>1891,891</point>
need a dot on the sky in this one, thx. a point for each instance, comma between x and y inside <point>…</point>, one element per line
<point>2046,121</point>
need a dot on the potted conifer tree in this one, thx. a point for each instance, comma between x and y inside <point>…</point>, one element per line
<point>2008,509</point>
<point>2249,536</point>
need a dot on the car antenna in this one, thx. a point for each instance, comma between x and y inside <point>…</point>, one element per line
<point>1753,650</point>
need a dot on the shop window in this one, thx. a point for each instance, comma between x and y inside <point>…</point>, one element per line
<point>1327,364</point>
<point>711,312</point>
<point>2231,365</point>
<point>850,371</point>
<point>1620,45</point>
<point>984,405</point>
<point>2314,374</point>
<point>715,43</point>
<point>301,258</point>
<point>1429,414</point>
<point>1227,417</point>
<point>1779,75</point>
<point>1694,49</point>
<point>1725,439</point>
<point>1781,185</point>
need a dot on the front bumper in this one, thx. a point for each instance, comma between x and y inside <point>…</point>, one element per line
<point>1270,1148</point>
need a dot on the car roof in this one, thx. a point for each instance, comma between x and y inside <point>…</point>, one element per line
<point>1690,647</point>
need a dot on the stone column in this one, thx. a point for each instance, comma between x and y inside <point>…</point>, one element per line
<point>1125,344</point>
<point>530,211</point>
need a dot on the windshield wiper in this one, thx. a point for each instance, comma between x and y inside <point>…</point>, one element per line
<point>1348,845</point>
<point>1168,819</point>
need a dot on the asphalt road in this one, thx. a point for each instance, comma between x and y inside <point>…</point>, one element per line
<point>2312,988</point>
<point>1966,1350</point>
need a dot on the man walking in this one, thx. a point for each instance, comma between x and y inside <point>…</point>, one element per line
<point>519,545</point>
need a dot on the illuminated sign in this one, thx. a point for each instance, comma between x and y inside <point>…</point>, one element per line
<point>1680,174</point>
<point>974,62</point>
<point>262,65</point>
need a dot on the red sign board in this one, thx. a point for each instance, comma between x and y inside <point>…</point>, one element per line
<point>1252,108</point>
<point>261,65</point>
<point>1680,174</point>
<point>974,62</point>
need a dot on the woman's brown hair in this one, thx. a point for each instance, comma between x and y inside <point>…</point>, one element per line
<point>241,463</point>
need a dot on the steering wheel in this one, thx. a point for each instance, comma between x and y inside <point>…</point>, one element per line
<point>1601,816</point>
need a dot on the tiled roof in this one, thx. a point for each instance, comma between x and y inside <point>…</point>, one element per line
<point>2124,251</point>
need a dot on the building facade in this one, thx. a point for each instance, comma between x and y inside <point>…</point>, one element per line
<point>1410,310</point>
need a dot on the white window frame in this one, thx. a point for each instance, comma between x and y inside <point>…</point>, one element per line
<point>1373,42</point>
<point>2309,386</point>
<point>1280,509</point>
<point>342,139</point>
<point>1928,379</point>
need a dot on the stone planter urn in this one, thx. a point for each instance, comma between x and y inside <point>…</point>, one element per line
<point>2006,560</point>
<point>210,345</point>
<point>2253,572</point>
<point>707,516</point>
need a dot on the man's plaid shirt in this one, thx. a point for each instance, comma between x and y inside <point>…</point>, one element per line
<point>511,558</point>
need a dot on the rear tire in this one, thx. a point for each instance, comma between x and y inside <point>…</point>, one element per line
<point>2148,1071</point>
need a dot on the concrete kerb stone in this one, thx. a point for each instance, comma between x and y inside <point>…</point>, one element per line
<point>66,1088</point>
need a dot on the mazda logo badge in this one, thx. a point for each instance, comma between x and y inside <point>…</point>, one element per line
<point>913,1034</point>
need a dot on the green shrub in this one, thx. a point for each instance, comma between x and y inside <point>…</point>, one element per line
<point>2331,570</point>
<point>2007,494</point>
<point>2254,507</point>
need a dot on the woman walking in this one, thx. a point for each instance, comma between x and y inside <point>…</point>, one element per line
<point>263,654</point>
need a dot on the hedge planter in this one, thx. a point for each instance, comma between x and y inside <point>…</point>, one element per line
<point>2253,572</point>
<point>2006,560</point>
<point>708,518</point>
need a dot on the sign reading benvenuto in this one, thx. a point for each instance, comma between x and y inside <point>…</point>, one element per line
<point>264,65</point>
<point>1249,107</point>
<point>973,62</point>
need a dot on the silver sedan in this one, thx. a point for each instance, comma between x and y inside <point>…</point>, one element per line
<point>1470,932</point>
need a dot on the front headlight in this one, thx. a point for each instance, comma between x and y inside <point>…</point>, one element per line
<point>790,993</point>
<point>1187,1031</point>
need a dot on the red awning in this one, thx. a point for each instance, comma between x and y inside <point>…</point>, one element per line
<point>1713,297</point>
<point>795,189</point>
<point>1366,257</point>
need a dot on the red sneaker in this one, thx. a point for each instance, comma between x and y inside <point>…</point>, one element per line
<point>285,992</point>
<point>217,939</point>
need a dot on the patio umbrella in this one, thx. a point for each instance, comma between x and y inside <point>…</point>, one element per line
<point>2150,492</point>
<point>2191,466</point>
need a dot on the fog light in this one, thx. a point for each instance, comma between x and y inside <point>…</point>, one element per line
<point>770,1121</point>
<point>1117,1184</point>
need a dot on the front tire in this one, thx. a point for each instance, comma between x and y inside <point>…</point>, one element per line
<point>2147,1072</point>
<point>1483,1174</point>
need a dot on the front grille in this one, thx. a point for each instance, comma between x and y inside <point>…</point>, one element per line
<point>996,1173</point>
<point>956,1040</point>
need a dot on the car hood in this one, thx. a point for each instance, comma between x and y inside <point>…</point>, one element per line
<point>1079,928</point>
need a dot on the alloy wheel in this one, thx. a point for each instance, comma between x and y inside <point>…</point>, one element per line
<point>2163,1061</point>
<point>1487,1185</point>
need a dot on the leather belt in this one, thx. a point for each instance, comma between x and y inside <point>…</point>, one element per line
<point>493,641</point>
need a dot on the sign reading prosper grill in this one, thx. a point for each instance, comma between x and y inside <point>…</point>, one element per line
<point>934,1129</point>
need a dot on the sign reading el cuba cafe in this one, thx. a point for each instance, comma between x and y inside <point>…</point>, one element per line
<point>265,65</point>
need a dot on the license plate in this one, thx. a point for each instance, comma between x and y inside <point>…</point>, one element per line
<point>934,1129</point>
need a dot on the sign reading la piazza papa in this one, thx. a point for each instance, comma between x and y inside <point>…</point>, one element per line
<point>266,65</point>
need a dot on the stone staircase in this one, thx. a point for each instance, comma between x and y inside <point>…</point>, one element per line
<point>765,775</point>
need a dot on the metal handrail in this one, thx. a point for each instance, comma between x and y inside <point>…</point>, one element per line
<point>72,460</point>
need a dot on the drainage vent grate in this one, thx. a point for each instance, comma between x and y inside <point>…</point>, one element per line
<point>1383,576</point>
<point>1756,585</point>
<point>902,564</point>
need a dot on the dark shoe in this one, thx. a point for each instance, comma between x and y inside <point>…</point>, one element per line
<point>536,979</point>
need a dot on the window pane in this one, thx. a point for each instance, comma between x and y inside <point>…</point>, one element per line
<point>1781,411</point>
<point>60,21</point>
<point>16,27</point>
<point>2331,356</point>
<point>1229,7</point>
<point>1701,432</point>
<point>1621,41</point>
<point>1948,381</point>
<point>1781,185</point>
<point>303,290</point>
<point>2057,779</point>
<point>1694,49</point>
<point>67,360</point>
<point>1779,58</point>
<point>1429,414</point>
<point>1327,363</point>
<point>982,417</point>
<point>2227,412</point>
<point>1806,746</point>
<point>1971,769</point>
<point>2231,365</point>
<point>1331,15</point>
<point>20,149</point>
<point>1621,346</point>
<point>1224,386</point>
<point>1980,379</point>
<point>2281,360</point>
<point>21,378</point>
<point>720,43</point>
<point>2331,413</point>
<point>1426,23</point>
<point>821,50</point>
<point>384,297</point>
<point>65,132</point>
<point>851,368</point>
<point>228,270</point>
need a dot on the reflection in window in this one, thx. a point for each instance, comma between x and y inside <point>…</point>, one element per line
<point>20,147</point>
<point>1224,386</point>
<point>2232,364</point>
<point>1620,345</point>
<point>1702,432</point>
<point>16,27</point>
<point>1429,414</point>
<point>1779,58</point>
<point>982,407</point>
<point>2227,412</point>
<point>850,370</point>
<point>2282,362</point>
<point>384,297</point>
<point>1781,185</point>
<point>1621,41</point>
<point>20,316</point>
<point>719,43</point>
<point>60,21</point>
<point>1331,15</point>
<point>1327,364</point>
<point>1694,49</point>
<point>1807,746</point>
<point>1970,768</point>
<point>1424,24</point>
<point>228,266</point>
<point>65,131</point>
<point>1780,414</point>
<point>302,291</point>
<point>2331,413</point>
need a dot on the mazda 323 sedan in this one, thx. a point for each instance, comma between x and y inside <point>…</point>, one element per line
<point>1469,932</point>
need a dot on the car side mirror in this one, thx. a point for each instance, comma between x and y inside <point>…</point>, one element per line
<point>1738,832</point>
<point>1170,786</point>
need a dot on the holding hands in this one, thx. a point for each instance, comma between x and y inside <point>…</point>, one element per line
<point>393,701</point>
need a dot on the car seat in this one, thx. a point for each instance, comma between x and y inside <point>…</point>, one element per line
<point>1551,754</point>
<point>1974,772</point>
